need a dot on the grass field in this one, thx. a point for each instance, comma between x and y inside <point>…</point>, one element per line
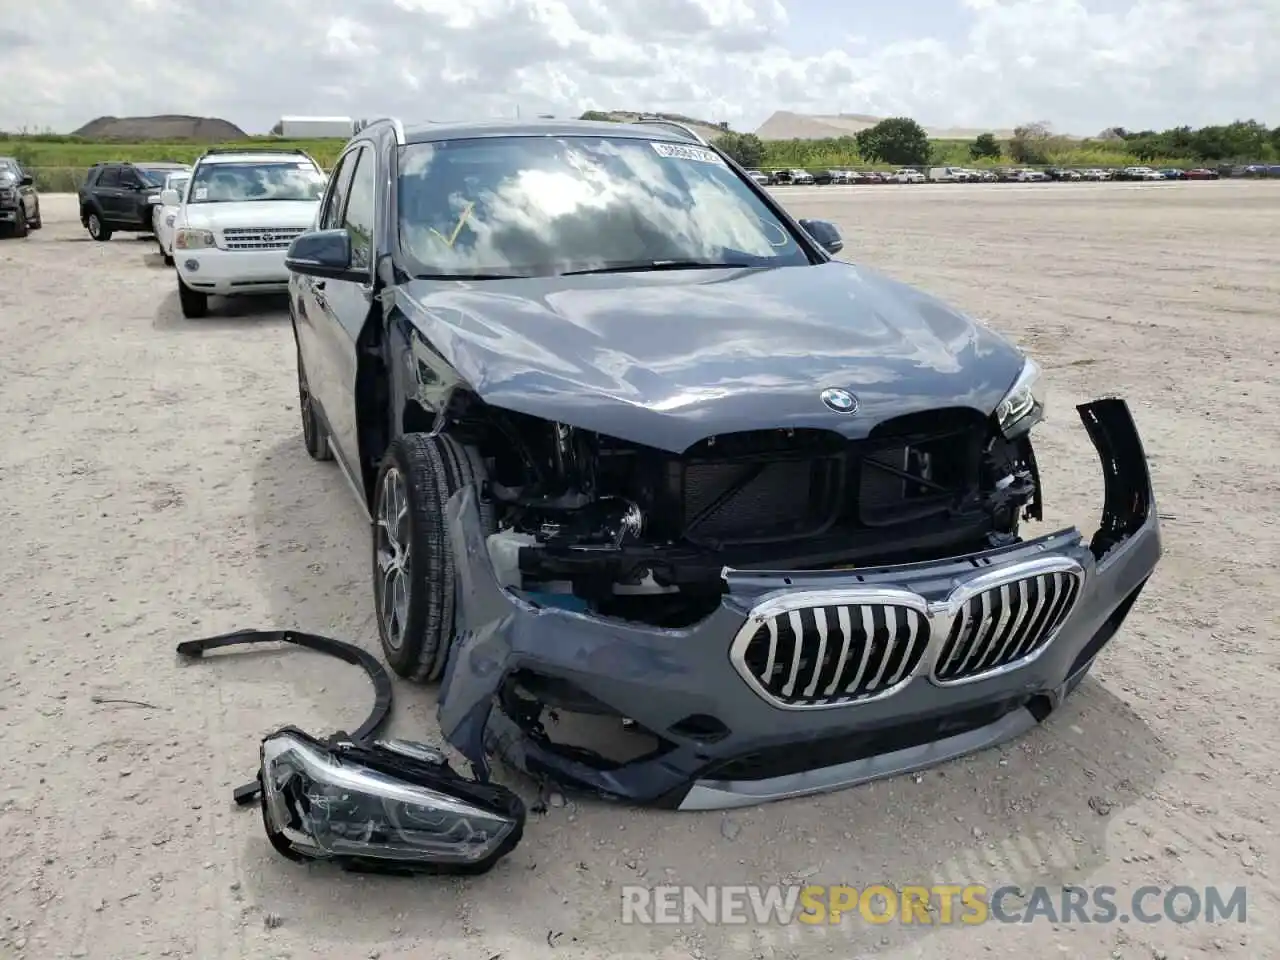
<point>59,162</point>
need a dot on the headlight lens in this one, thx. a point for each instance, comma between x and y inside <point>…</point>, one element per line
<point>1023,405</point>
<point>194,240</point>
<point>326,805</point>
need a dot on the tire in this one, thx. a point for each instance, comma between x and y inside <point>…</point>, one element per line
<point>20,226</point>
<point>415,592</point>
<point>168,259</point>
<point>97,228</point>
<point>194,303</point>
<point>36,221</point>
<point>313,436</point>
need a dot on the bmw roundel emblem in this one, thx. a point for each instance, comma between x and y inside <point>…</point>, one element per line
<point>841,401</point>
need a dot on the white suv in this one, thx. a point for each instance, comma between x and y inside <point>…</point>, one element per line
<point>241,210</point>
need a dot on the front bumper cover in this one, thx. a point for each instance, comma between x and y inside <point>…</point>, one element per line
<point>723,744</point>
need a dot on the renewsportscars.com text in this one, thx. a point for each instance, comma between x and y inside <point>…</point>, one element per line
<point>936,904</point>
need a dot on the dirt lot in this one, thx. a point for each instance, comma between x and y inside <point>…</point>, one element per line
<point>156,489</point>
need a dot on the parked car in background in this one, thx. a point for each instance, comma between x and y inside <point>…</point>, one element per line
<point>241,211</point>
<point>19,201</point>
<point>759,177</point>
<point>1139,173</point>
<point>165,214</point>
<point>584,502</point>
<point>873,176</point>
<point>1027,175</point>
<point>909,175</point>
<point>1173,173</point>
<point>802,177</point>
<point>1063,175</point>
<point>1202,173</point>
<point>948,174</point>
<point>831,176</point>
<point>116,196</point>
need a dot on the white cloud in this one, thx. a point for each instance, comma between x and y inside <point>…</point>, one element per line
<point>1081,64</point>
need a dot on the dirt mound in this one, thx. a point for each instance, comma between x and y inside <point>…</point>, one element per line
<point>785,125</point>
<point>168,127</point>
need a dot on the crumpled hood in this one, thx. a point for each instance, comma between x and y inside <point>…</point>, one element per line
<point>255,213</point>
<point>668,358</point>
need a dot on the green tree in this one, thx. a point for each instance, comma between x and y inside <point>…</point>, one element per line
<point>746,148</point>
<point>1030,143</point>
<point>985,147</point>
<point>898,140</point>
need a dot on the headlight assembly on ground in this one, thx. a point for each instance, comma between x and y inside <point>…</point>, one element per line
<point>366,804</point>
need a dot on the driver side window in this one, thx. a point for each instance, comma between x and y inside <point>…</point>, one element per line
<point>340,186</point>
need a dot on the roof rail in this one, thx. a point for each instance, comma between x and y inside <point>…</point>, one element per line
<point>213,151</point>
<point>676,127</point>
<point>396,126</point>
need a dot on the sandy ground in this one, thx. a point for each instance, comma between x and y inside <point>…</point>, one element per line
<point>156,489</point>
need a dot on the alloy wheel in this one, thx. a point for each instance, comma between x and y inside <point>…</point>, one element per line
<point>394,559</point>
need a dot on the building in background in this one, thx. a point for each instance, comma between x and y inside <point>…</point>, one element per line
<point>314,128</point>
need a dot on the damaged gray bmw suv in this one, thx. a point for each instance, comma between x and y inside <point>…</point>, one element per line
<point>679,508</point>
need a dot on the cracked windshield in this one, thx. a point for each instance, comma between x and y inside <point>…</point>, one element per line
<point>529,206</point>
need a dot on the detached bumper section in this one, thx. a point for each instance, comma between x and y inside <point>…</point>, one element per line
<point>803,682</point>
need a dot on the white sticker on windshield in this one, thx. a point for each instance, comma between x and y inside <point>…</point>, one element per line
<point>202,193</point>
<point>681,151</point>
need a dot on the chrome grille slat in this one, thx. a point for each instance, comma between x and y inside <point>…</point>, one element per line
<point>846,633</point>
<point>879,647</point>
<point>820,615</point>
<point>797,651</point>
<point>869,630</point>
<point>259,238</point>
<point>989,633</point>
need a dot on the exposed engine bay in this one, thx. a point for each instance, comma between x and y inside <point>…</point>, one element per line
<point>588,522</point>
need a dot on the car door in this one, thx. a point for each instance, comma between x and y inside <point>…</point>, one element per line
<point>134,209</point>
<point>344,306</point>
<point>108,193</point>
<point>311,326</point>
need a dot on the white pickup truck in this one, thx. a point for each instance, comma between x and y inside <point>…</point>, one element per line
<point>241,211</point>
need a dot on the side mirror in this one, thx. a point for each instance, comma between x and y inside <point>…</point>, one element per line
<point>27,180</point>
<point>825,233</point>
<point>170,198</point>
<point>321,253</point>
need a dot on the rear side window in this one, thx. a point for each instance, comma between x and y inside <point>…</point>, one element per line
<point>109,177</point>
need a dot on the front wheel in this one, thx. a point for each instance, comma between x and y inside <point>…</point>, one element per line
<point>194,303</point>
<point>413,571</point>
<point>313,436</point>
<point>97,229</point>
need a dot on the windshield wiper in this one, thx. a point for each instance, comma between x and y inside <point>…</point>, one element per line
<point>644,266</point>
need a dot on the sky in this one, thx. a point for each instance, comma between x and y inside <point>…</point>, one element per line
<point>1080,65</point>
